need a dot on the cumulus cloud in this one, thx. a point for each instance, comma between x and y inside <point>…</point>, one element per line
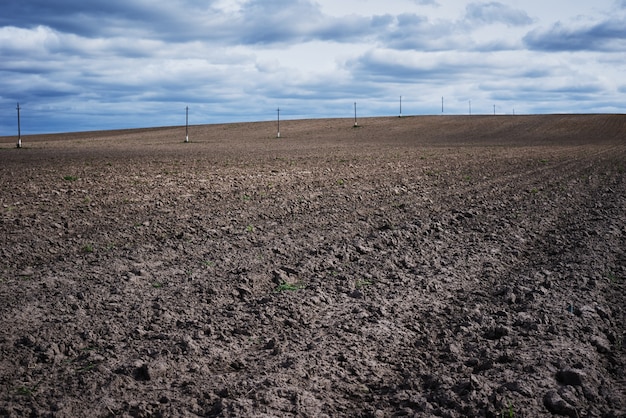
<point>494,12</point>
<point>286,21</point>
<point>418,32</point>
<point>609,35</point>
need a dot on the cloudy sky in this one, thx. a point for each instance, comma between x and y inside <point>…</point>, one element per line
<point>76,65</point>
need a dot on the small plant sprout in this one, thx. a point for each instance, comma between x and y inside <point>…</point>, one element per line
<point>289,287</point>
<point>509,412</point>
<point>87,248</point>
<point>250,228</point>
<point>70,178</point>
<point>611,276</point>
<point>88,367</point>
<point>25,391</point>
<point>362,283</point>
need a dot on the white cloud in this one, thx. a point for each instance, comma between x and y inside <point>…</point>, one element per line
<point>494,12</point>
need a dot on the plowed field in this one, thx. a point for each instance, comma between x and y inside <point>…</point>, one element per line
<point>419,266</point>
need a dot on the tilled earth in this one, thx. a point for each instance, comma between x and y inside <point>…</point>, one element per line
<point>423,266</point>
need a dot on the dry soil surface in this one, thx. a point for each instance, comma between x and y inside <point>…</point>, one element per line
<point>422,266</point>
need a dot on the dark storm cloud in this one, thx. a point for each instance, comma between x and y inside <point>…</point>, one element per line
<point>609,35</point>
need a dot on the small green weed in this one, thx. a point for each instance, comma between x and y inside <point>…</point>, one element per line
<point>509,411</point>
<point>250,228</point>
<point>26,390</point>
<point>289,287</point>
<point>362,283</point>
<point>158,285</point>
<point>88,367</point>
<point>88,248</point>
<point>341,182</point>
<point>612,277</point>
<point>209,263</point>
<point>70,178</point>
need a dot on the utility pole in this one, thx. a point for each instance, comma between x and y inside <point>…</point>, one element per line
<point>278,113</point>
<point>494,110</point>
<point>355,124</point>
<point>441,104</point>
<point>470,108</point>
<point>187,124</point>
<point>19,129</point>
<point>400,106</point>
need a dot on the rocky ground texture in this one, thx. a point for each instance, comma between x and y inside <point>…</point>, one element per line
<point>419,266</point>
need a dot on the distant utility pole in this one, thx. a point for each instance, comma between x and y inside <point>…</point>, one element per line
<point>470,107</point>
<point>187,124</point>
<point>400,106</point>
<point>355,124</point>
<point>441,104</point>
<point>278,113</point>
<point>494,110</point>
<point>19,129</point>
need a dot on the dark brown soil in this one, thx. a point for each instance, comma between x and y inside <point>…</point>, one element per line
<point>423,266</point>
